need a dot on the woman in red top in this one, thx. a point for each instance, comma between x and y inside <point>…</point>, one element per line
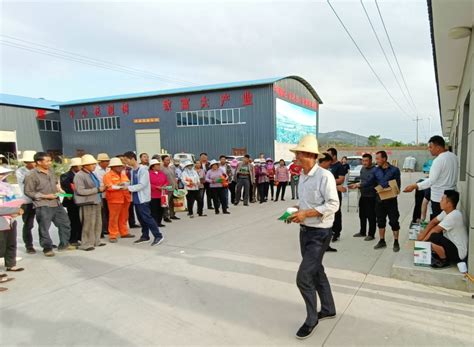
<point>158,180</point>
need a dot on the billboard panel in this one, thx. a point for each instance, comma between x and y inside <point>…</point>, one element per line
<point>292,123</point>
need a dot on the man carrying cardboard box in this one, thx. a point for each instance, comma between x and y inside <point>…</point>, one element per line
<point>387,178</point>
<point>447,233</point>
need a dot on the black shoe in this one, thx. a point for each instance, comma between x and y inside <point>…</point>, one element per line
<point>175,218</point>
<point>305,331</point>
<point>226,212</point>
<point>161,225</point>
<point>236,203</point>
<point>283,199</point>
<point>330,249</point>
<point>105,233</point>
<point>359,235</point>
<point>440,263</point>
<point>140,240</point>
<point>30,250</point>
<point>217,212</point>
<point>167,220</point>
<point>190,215</point>
<point>380,244</point>
<point>133,226</point>
<point>369,238</point>
<point>157,241</point>
<point>128,236</point>
<point>323,316</point>
<point>246,204</point>
<point>202,215</point>
<point>335,238</point>
<point>396,246</point>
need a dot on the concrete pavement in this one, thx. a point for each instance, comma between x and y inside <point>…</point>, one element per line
<point>226,280</point>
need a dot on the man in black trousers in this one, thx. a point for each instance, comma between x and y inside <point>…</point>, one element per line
<point>67,184</point>
<point>367,199</point>
<point>339,172</point>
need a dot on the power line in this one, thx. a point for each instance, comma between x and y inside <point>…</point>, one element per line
<point>384,54</point>
<point>71,56</point>
<point>366,60</point>
<point>395,56</point>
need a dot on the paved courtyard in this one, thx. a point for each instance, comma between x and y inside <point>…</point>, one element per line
<point>226,280</point>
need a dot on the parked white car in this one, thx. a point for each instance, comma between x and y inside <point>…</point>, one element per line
<point>355,163</point>
<point>184,156</point>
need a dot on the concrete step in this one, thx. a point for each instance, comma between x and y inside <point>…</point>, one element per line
<point>404,269</point>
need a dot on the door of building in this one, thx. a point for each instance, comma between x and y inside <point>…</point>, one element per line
<point>148,141</point>
<point>239,151</point>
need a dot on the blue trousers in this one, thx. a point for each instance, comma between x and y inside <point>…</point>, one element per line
<point>147,221</point>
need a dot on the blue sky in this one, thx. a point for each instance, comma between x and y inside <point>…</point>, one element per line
<point>179,43</point>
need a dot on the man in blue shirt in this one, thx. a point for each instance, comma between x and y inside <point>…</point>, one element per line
<point>383,173</point>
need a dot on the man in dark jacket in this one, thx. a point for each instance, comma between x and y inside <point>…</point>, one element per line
<point>67,184</point>
<point>367,199</point>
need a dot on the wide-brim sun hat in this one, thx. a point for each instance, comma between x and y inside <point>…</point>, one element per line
<point>5,170</point>
<point>88,159</point>
<point>213,162</point>
<point>103,157</point>
<point>154,162</point>
<point>75,162</point>
<point>234,163</point>
<point>28,156</point>
<point>187,163</point>
<point>115,162</point>
<point>308,144</point>
<point>269,159</point>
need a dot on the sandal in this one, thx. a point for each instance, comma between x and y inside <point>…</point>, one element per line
<point>5,280</point>
<point>3,275</point>
<point>3,289</point>
<point>15,269</point>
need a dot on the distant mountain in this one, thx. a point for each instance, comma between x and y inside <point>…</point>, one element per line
<point>345,137</point>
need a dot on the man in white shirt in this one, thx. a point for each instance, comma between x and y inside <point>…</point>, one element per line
<point>101,169</point>
<point>318,203</point>
<point>443,174</point>
<point>447,233</point>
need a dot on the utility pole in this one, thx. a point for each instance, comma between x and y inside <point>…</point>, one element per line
<point>417,120</point>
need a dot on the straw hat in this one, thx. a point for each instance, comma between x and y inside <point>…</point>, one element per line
<point>28,156</point>
<point>213,162</point>
<point>5,170</point>
<point>115,162</point>
<point>75,162</point>
<point>308,144</point>
<point>88,159</point>
<point>154,162</point>
<point>103,157</point>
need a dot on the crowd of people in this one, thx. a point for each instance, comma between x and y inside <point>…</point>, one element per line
<point>106,197</point>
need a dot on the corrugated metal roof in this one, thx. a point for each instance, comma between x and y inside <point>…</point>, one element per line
<point>23,101</point>
<point>194,89</point>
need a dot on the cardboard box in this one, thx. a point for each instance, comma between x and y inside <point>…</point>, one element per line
<point>414,231</point>
<point>422,253</point>
<point>388,193</point>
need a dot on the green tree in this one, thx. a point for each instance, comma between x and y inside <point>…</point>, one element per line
<point>397,144</point>
<point>373,140</point>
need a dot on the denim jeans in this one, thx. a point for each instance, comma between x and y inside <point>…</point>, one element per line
<point>311,279</point>
<point>147,221</point>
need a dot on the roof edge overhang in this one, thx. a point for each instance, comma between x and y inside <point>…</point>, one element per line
<point>191,90</point>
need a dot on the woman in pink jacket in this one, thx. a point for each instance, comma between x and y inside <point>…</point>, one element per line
<point>158,180</point>
<point>281,178</point>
